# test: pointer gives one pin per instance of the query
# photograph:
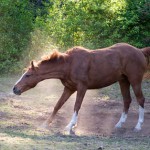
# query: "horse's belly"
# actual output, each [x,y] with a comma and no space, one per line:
[95,83]
[100,85]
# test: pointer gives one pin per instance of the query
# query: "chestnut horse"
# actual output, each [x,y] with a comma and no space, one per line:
[80,69]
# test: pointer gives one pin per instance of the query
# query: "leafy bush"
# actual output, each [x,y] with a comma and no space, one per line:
[28,27]
[94,23]
[15,27]
[132,25]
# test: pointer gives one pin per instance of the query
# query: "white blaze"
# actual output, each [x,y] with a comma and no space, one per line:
[20,78]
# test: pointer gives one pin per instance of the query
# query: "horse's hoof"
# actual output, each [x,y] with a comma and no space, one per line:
[44,126]
[137,129]
[66,132]
[75,126]
[118,126]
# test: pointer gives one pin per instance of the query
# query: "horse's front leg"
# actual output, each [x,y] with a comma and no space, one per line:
[81,90]
[66,94]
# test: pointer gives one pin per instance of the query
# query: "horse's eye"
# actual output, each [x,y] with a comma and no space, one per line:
[27,75]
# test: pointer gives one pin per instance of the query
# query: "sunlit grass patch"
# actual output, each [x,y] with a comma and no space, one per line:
[14,142]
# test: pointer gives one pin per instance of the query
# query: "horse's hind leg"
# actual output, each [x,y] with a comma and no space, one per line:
[125,91]
[140,99]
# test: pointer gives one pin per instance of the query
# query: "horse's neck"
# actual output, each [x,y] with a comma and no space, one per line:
[58,72]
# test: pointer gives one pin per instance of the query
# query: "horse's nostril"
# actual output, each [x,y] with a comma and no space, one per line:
[14,89]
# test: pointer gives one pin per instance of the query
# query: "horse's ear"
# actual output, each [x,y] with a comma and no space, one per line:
[32,65]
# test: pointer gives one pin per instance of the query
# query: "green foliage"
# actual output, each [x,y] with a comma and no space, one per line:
[133,26]
[19,23]
[15,27]
[27,27]
[94,23]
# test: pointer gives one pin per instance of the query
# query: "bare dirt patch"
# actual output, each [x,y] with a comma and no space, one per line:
[100,117]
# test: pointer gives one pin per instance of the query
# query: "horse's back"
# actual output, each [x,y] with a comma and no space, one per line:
[124,54]
[102,67]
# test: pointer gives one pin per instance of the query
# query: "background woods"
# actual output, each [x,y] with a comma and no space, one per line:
[31,27]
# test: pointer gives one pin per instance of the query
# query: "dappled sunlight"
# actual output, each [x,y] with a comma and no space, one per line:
[11,141]
[103,98]
[117,5]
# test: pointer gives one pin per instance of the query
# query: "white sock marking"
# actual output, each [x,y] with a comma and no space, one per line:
[141,118]
[72,122]
[122,120]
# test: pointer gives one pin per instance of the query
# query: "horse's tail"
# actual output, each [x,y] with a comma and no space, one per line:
[146,52]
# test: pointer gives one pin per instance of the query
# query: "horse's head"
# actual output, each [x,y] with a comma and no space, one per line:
[51,66]
[28,80]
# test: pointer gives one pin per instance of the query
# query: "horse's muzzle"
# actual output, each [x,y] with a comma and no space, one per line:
[16,91]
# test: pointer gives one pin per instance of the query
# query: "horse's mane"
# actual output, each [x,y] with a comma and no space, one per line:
[56,55]
[52,56]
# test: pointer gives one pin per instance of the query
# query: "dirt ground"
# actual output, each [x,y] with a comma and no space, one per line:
[98,117]
[100,111]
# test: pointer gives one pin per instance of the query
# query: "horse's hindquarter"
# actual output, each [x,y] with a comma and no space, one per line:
[111,64]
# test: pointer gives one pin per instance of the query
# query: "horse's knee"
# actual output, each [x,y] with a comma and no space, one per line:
[128,101]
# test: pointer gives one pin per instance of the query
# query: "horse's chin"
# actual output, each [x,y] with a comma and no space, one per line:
[26,89]
[18,94]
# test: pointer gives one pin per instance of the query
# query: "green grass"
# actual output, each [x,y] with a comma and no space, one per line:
[18,116]
[46,141]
